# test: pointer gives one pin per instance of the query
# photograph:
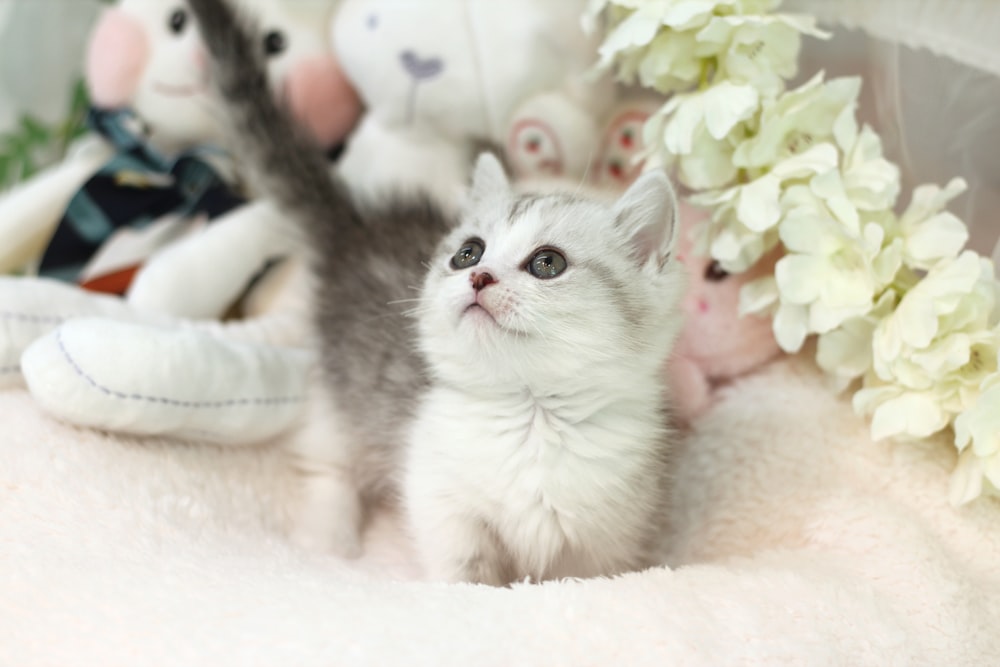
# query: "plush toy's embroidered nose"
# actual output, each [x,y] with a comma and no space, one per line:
[420,68]
[481,280]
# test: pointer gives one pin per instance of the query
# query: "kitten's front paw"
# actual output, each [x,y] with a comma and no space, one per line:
[338,538]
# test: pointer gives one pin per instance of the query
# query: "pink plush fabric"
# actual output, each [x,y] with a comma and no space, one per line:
[323,99]
[716,344]
[116,58]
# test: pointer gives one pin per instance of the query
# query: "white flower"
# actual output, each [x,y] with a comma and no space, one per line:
[798,119]
[779,155]
[956,297]
[669,45]
[899,413]
[655,37]
[870,181]
[835,266]
[745,218]
[932,354]
[979,427]
[977,437]
[761,51]
[846,352]
[695,128]
[930,233]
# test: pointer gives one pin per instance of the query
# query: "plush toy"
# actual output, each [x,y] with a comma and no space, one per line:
[152,168]
[716,344]
[203,274]
[93,360]
[440,79]
[554,134]
[239,381]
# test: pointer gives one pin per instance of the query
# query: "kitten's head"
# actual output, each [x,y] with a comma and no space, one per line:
[537,289]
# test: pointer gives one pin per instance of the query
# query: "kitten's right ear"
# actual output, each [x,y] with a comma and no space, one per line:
[647,214]
[489,181]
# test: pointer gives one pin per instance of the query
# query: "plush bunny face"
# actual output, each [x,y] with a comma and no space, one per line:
[715,337]
[458,66]
[147,54]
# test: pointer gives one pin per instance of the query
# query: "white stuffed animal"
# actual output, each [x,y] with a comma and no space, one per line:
[142,53]
[250,388]
[203,274]
[439,79]
[550,135]
[146,56]
[93,360]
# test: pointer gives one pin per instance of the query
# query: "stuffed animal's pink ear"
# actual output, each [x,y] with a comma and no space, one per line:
[323,99]
[116,58]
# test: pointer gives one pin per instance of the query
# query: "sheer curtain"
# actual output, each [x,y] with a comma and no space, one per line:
[932,89]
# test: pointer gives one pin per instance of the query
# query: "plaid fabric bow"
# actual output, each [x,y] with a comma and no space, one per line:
[136,187]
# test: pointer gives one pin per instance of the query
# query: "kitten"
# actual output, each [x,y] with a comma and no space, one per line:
[518,408]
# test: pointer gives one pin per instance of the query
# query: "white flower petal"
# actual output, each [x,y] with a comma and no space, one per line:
[688,14]
[911,415]
[940,237]
[687,118]
[929,199]
[759,207]
[800,278]
[637,29]
[790,326]
[727,105]
[758,296]
[966,482]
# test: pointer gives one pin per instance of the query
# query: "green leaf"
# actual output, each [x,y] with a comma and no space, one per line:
[34,131]
[5,177]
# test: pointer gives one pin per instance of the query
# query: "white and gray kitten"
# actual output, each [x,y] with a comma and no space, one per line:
[518,408]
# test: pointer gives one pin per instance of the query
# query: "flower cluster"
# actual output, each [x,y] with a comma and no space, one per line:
[898,308]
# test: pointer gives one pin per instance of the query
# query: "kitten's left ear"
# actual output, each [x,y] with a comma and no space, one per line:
[489,180]
[647,215]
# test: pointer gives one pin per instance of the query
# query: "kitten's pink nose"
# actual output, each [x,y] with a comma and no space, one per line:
[481,280]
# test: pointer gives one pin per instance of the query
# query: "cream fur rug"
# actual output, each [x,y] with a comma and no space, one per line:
[797,541]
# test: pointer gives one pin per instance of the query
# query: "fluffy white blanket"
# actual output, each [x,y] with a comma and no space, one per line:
[796,541]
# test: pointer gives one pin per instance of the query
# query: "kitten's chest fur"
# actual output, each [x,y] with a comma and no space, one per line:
[547,475]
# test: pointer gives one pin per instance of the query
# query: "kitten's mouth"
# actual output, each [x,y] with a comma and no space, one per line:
[475,306]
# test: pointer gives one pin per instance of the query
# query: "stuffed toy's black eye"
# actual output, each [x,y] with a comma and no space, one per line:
[468,255]
[715,273]
[547,263]
[178,21]
[275,42]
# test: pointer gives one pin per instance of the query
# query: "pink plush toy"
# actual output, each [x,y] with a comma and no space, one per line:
[716,344]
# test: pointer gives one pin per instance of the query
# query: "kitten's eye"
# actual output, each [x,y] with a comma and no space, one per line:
[177,21]
[468,255]
[715,273]
[274,43]
[547,263]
